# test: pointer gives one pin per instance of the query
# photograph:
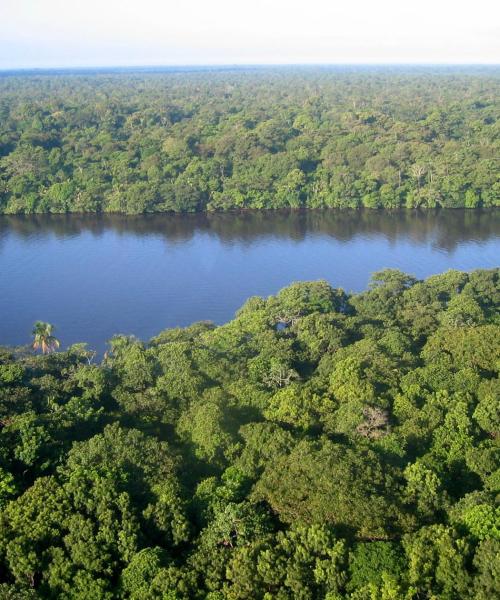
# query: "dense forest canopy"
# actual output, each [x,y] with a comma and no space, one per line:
[319,446]
[252,138]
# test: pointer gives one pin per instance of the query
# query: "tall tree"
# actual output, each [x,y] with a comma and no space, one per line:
[43,338]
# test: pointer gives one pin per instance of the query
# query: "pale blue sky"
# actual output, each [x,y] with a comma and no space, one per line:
[62,33]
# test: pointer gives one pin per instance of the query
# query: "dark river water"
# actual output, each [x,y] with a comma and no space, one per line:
[96,276]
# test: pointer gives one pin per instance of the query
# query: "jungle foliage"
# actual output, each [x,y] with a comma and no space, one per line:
[319,446]
[249,139]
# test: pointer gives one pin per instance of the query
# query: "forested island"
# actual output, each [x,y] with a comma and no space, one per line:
[321,445]
[268,138]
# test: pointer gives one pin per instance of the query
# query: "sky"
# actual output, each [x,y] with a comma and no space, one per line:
[87,33]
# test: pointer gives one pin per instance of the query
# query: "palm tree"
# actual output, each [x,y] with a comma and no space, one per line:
[44,338]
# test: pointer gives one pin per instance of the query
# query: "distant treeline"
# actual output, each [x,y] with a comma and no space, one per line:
[320,446]
[257,138]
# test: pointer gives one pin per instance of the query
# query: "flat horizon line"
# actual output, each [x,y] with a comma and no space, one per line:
[248,65]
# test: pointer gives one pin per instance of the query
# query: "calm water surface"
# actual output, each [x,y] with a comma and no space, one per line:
[96,276]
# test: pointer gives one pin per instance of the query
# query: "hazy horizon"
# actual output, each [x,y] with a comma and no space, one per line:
[54,34]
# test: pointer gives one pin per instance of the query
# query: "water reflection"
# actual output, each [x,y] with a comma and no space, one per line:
[443,229]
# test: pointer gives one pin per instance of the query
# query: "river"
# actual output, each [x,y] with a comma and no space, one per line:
[94,276]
